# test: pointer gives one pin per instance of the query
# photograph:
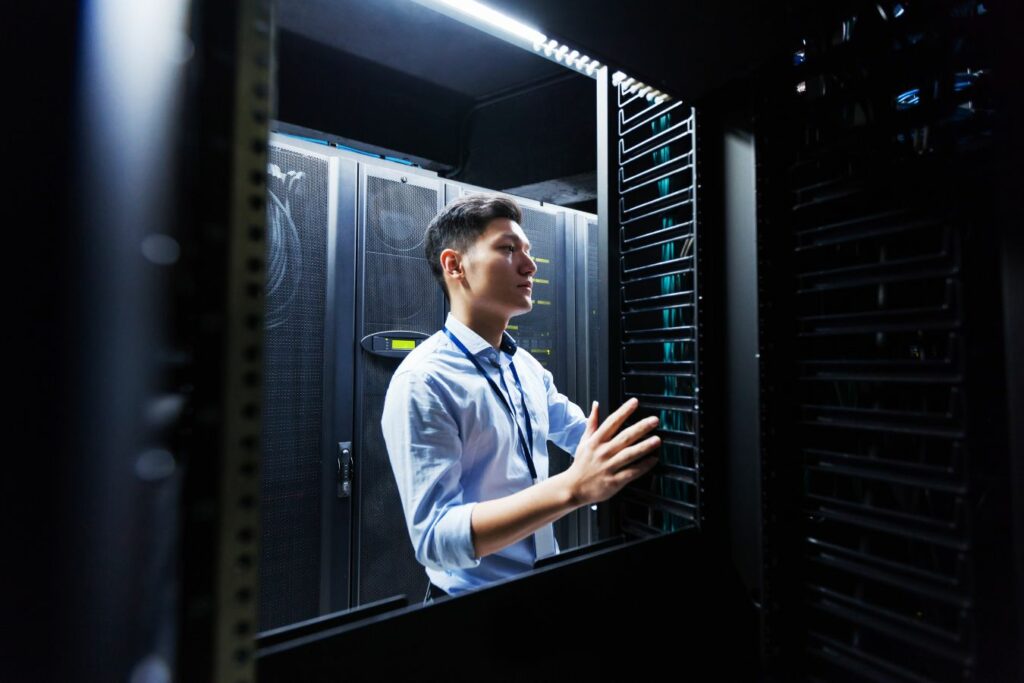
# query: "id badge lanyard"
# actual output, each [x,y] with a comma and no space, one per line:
[527,444]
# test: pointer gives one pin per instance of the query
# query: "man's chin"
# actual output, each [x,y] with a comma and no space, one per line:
[522,311]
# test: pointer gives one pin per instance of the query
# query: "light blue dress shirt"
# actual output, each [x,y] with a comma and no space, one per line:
[452,443]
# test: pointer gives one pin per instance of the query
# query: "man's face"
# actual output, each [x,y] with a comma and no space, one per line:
[499,269]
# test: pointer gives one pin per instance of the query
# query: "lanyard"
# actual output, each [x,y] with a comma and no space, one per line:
[528,450]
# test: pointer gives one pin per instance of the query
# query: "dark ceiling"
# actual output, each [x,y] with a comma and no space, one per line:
[416,41]
[395,74]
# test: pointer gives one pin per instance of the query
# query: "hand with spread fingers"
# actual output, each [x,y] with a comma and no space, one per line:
[605,461]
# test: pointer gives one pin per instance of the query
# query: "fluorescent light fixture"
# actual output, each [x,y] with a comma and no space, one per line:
[487,19]
[491,21]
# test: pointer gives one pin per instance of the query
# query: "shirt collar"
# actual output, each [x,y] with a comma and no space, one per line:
[474,342]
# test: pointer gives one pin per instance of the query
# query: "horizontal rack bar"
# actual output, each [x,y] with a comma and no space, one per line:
[656,340]
[887,463]
[902,634]
[679,443]
[688,191]
[895,529]
[852,564]
[948,364]
[668,363]
[674,473]
[672,228]
[623,163]
[633,126]
[652,405]
[662,210]
[849,228]
[654,180]
[855,660]
[916,267]
[879,321]
[654,330]
[658,297]
[895,516]
[888,427]
[679,170]
[636,528]
[623,181]
[681,259]
[828,199]
[648,309]
[650,143]
[888,414]
[654,501]
[949,323]
[862,558]
[923,635]
[893,378]
[918,482]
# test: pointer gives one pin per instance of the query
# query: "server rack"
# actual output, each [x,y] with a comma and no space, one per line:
[653,232]
[395,206]
[881,243]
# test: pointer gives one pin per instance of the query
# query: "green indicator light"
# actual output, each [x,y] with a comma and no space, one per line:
[403,344]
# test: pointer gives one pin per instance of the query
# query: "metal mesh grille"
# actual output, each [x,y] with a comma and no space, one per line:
[293,388]
[397,215]
[399,293]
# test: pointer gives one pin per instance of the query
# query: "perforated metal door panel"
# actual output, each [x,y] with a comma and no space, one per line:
[299,208]
[398,292]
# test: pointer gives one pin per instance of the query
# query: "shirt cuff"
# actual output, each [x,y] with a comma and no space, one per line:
[456,537]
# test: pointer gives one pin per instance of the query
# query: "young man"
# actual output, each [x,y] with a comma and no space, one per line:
[467,416]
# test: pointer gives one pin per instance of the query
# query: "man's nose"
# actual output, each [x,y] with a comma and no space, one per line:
[530,266]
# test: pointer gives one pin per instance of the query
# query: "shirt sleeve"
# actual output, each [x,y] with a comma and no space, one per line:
[566,420]
[425,450]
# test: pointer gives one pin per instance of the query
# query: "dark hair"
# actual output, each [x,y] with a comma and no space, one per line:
[461,223]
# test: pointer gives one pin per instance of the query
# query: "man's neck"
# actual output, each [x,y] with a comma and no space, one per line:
[488,326]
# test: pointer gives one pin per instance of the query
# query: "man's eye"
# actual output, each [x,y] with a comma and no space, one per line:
[509,247]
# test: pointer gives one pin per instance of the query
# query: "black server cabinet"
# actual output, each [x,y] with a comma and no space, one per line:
[888,457]
[307,337]
[397,292]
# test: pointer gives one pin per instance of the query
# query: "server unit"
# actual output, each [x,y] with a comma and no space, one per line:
[347,280]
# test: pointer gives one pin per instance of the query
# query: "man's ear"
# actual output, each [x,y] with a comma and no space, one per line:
[451,262]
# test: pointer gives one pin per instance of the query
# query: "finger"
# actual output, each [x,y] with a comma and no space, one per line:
[592,421]
[615,420]
[626,457]
[633,432]
[636,470]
